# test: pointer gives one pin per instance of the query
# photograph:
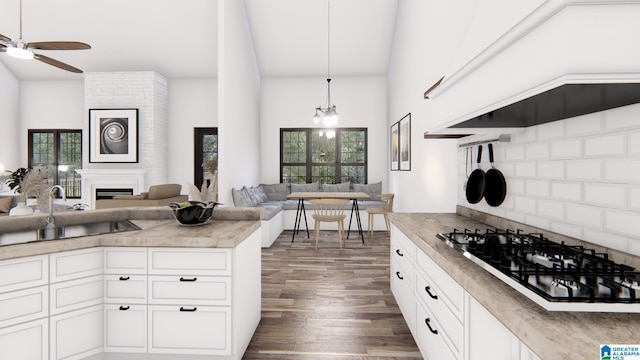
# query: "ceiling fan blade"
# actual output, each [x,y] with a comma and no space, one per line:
[56,63]
[59,45]
[4,38]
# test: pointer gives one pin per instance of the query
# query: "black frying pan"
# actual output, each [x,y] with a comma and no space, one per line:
[475,184]
[495,187]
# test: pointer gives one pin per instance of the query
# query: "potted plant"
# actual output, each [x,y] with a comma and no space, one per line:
[28,183]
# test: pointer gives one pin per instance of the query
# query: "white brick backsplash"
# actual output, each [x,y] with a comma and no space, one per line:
[526,136]
[515,186]
[634,197]
[525,205]
[552,130]
[621,118]
[610,195]
[607,240]
[551,169]
[535,151]
[507,169]
[623,222]
[537,188]
[514,216]
[536,221]
[566,191]
[551,209]
[566,149]
[563,228]
[634,246]
[514,153]
[525,169]
[606,145]
[622,170]
[585,215]
[584,125]
[634,143]
[584,170]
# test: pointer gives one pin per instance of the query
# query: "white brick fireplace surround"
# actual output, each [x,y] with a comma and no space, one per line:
[93,179]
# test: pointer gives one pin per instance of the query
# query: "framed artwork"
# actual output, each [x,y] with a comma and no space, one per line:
[395,143]
[113,135]
[405,143]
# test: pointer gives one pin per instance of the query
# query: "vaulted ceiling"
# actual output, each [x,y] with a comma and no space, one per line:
[179,39]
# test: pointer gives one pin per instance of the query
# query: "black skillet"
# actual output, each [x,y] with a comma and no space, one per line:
[495,188]
[476,181]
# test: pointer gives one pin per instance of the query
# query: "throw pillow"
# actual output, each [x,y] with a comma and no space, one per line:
[5,204]
[253,196]
[373,190]
[342,187]
[275,192]
[241,197]
[312,187]
[260,194]
[164,191]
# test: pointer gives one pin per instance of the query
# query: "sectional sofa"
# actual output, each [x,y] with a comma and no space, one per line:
[279,214]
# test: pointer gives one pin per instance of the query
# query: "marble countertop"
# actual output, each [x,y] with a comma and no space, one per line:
[227,228]
[551,335]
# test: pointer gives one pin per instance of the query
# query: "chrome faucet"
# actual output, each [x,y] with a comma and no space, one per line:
[49,219]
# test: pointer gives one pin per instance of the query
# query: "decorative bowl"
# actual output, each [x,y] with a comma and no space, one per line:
[192,213]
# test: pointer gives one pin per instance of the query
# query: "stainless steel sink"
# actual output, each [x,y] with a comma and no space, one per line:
[66,232]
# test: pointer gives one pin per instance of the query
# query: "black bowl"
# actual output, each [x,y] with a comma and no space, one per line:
[197,213]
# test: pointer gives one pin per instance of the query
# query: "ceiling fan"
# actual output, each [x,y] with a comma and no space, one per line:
[24,50]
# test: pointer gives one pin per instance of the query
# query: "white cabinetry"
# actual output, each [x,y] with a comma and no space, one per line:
[402,275]
[76,298]
[24,308]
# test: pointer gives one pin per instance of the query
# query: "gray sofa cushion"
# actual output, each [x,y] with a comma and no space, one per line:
[342,187]
[270,209]
[241,197]
[313,187]
[292,204]
[275,192]
[256,195]
[373,190]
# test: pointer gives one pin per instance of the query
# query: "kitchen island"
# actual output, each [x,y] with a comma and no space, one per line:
[548,335]
[165,290]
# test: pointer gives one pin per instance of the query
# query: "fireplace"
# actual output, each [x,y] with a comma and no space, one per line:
[114,181]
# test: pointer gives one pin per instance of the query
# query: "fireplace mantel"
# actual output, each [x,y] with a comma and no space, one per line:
[93,179]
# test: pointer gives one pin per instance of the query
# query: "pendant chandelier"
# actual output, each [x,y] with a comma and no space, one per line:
[328,114]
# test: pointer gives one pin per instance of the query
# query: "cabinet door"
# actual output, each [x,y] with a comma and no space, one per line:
[402,290]
[179,262]
[76,294]
[24,305]
[23,273]
[204,330]
[487,337]
[75,264]
[77,334]
[28,341]
[429,336]
[119,260]
[125,328]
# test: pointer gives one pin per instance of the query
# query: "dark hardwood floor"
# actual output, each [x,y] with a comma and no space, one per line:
[329,304]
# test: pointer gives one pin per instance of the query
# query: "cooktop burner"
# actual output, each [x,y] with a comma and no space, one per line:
[557,276]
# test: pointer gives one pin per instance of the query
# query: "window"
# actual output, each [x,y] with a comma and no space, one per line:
[60,153]
[206,148]
[327,157]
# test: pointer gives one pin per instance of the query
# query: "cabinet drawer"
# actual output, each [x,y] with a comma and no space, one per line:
[24,305]
[76,294]
[23,273]
[29,341]
[76,264]
[130,289]
[125,261]
[190,261]
[450,292]
[125,328]
[403,293]
[450,327]
[401,242]
[77,334]
[203,330]
[429,336]
[190,290]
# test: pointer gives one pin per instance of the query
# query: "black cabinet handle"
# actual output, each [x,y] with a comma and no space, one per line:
[426,321]
[124,307]
[398,275]
[124,278]
[188,279]
[399,253]
[427,289]
[188,309]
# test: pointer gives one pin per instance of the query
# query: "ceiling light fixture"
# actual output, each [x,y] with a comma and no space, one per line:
[19,53]
[328,113]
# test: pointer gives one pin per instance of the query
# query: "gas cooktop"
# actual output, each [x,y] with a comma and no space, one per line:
[556,276]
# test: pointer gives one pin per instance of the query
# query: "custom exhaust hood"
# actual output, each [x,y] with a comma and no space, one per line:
[565,59]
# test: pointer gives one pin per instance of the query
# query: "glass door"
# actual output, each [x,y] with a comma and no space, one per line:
[206,156]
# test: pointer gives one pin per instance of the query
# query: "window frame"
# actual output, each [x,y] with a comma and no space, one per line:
[198,155]
[337,163]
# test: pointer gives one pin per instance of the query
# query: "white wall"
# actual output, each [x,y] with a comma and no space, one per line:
[290,103]
[579,177]
[9,121]
[192,103]
[238,102]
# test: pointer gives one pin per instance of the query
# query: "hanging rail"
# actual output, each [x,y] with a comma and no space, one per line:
[500,138]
